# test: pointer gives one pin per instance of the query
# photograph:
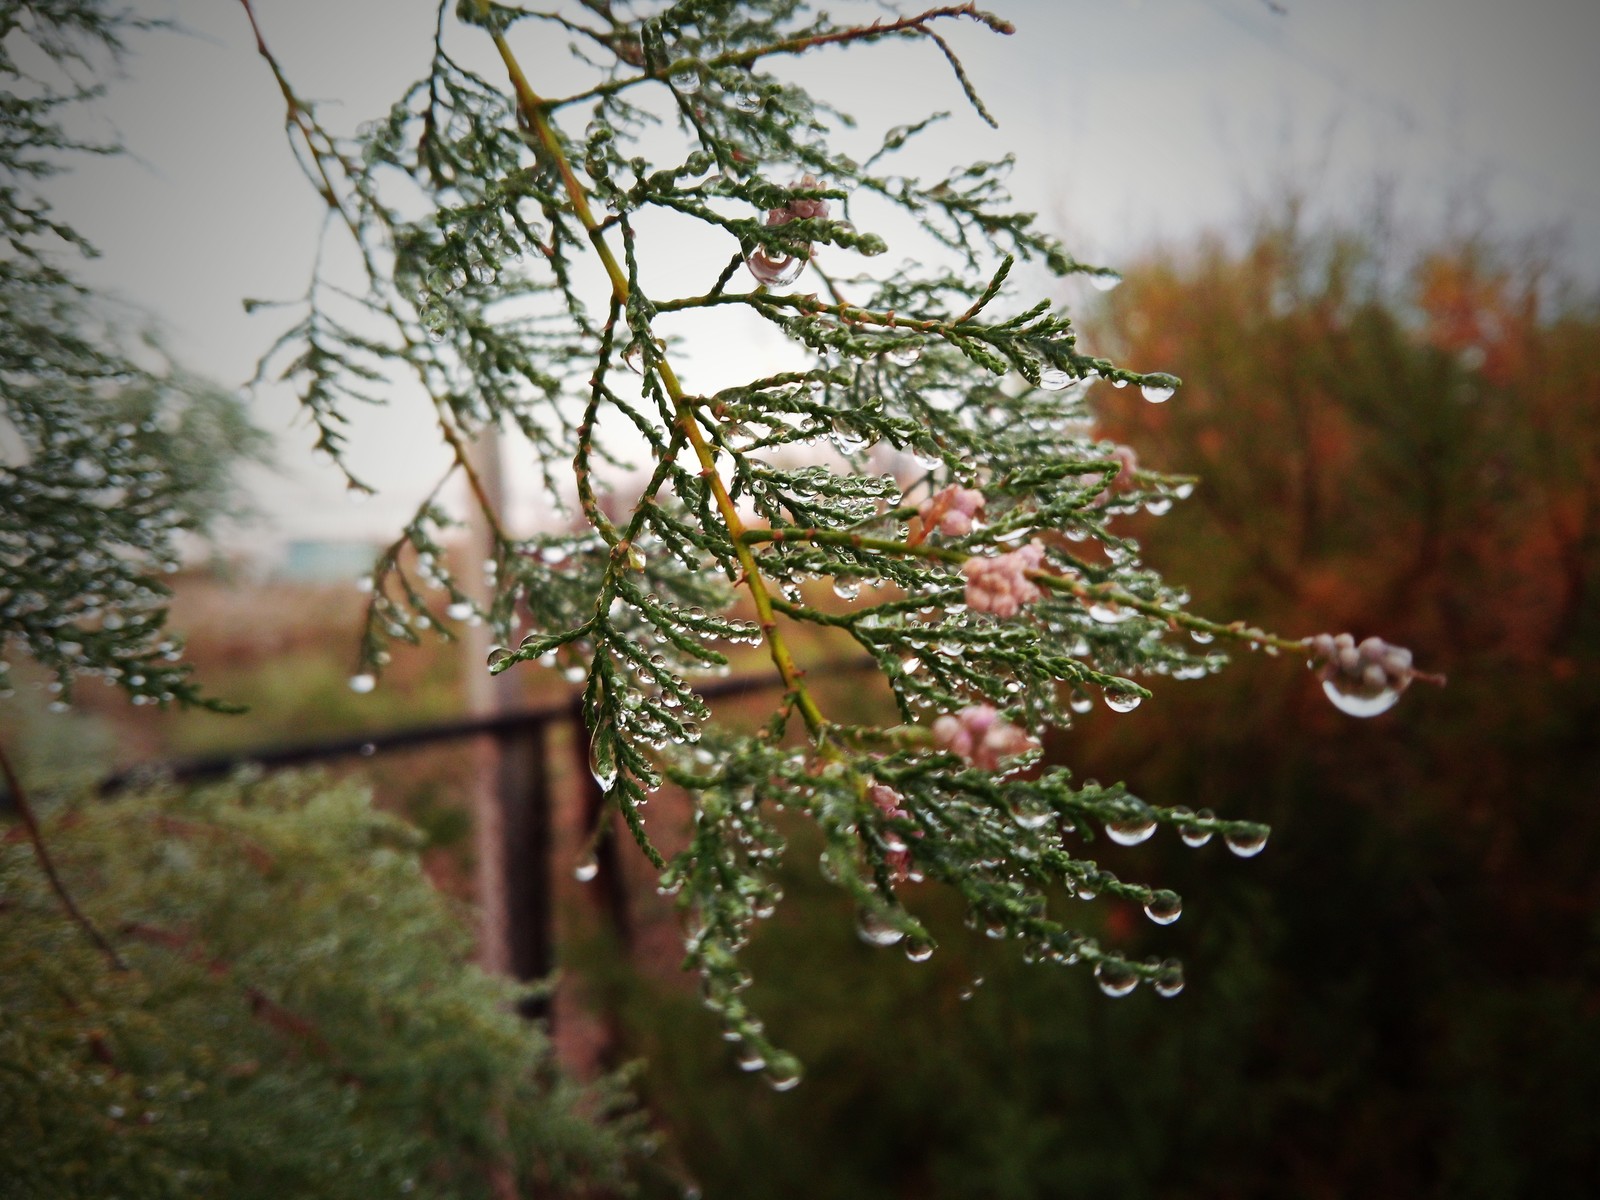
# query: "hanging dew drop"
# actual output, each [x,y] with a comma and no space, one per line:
[918,949]
[1123,702]
[1358,700]
[1108,614]
[1169,979]
[751,1059]
[362,684]
[875,930]
[1115,978]
[686,81]
[1054,379]
[1246,845]
[1163,907]
[1104,281]
[904,356]
[586,870]
[1158,389]
[459,611]
[1131,831]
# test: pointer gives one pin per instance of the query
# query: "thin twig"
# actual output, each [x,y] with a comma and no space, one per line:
[30,823]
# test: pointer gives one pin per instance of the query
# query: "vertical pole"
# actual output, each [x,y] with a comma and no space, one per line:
[485,696]
[524,783]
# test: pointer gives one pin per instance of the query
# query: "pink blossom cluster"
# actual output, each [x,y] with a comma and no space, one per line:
[1370,668]
[978,735]
[951,511]
[800,208]
[1000,585]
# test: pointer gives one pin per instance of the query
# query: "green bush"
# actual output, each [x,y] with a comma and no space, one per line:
[295,1020]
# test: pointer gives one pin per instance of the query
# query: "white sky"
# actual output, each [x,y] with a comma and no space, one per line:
[1131,120]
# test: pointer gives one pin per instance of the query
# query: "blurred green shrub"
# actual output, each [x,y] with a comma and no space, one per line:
[298,1019]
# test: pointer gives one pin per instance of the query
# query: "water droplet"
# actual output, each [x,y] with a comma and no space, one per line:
[368,749]
[775,272]
[1198,837]
[1123,701]
[971,990]
[1116,978]
[910,665]
[1158,389]
[876,930]
[586,870]
[1108,614]
[363,683]
[1163,907]
[904,356]
[459,611]
[1168,981]
[783,1073]
[499,658]
[751,1059]
[1202,637]
[1131,830]
[918,949]
[1054,379]
[1158,506]
[1080,703]
[1246,845]
[1104,281]
[686,80]
[1357,699]
[575,674]
[749,101]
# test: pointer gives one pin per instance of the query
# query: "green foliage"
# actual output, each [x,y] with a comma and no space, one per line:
[512,268]
[106,460]
[1395,1001]
[298,1017]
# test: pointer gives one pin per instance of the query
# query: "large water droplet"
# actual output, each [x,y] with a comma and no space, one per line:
[904,356]
[500,657]
[1123,701]
[363,683]
[1358,700]
[1158,389]
[1169,979]
[1131,830]
[775,272]
[918,949]
[1104,281]
[587,869]
[751,1059]
[876,930]
[1198,837]
[459,611]
[1115,978]
[1246,845]
[1054,379]
[686,80]
[1163,907]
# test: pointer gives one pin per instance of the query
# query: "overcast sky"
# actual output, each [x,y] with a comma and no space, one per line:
[1131,120]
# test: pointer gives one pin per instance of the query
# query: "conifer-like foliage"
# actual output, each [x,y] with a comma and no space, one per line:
[506,234]
[293,1017]
[108,452]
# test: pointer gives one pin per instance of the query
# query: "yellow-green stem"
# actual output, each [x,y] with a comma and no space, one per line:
[534,111]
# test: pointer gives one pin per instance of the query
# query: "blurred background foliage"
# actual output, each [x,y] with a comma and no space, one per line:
[1400,997]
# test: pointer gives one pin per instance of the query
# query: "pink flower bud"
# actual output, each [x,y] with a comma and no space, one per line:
[1000,585]
[952,510]
[978,735]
